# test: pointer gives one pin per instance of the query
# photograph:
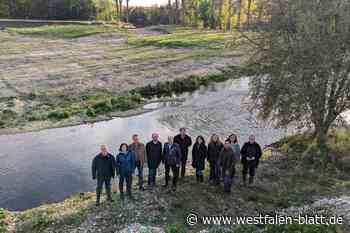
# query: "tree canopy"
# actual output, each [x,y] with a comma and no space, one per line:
[304,64]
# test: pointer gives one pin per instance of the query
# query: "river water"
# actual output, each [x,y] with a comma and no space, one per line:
[49,165]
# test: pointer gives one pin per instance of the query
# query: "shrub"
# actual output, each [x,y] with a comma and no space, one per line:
[90,112]
[126,102]
[8,114]
[2,124]
[102,106]
[10,103]
[58,115]
[41,221]
[172,228]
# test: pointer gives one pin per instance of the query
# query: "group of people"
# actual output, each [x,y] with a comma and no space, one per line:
[222,158]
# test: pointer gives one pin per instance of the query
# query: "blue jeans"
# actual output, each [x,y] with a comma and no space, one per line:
[107,183]
[199,172]
[140,174]
[152,173]
[128,179]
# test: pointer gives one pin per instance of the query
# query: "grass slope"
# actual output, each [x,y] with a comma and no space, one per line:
[63,31]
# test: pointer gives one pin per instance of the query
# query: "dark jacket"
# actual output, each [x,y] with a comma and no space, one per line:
[154,154]
[103,167]
[251,152]
[214,150]
[199,153]
[171,154]
[227,161]
[125,163]
[184,144]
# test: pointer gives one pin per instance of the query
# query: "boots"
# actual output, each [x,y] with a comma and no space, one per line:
[122,196]
[109,195]
[201,178]
[197,178]
[130,196]
[98,197]
[244,180]
[251,180]
[166,182]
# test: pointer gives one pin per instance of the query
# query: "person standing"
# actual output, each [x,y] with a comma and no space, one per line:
[251,153]
[236,150]
[140,154]
[184,141]
[125,167]
[154,158]
[172,160]
[199,153]
[235,146]
[214,148]
[227,163]
[103,169]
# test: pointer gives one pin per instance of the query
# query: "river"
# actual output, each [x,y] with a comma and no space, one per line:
[49,165]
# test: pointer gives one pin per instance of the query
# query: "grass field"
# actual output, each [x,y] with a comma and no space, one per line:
[58,75]
[63,31]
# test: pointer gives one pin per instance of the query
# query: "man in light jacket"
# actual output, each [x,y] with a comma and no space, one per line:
[140,156]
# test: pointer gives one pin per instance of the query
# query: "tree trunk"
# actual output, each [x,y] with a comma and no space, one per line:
[127,11]
[117,7]
[183,12]
[169,12]
[239,14]
[260,13]
[220,14]
[176,11]
[321,136]
[121,10]
[228,23]
[248,14]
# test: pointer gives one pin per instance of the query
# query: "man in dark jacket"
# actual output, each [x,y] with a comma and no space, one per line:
[103,169]
[154,157]
[251,153]
[172,160]
[184,141]
[227,162]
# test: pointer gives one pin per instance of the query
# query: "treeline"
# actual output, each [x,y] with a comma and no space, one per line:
[214,14]
[58,9]
[218,14]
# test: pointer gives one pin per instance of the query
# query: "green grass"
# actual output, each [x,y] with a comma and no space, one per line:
[3,223]
[63,31]
[338,144]
[186,38]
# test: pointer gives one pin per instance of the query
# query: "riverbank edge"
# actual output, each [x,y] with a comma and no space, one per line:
[162,90]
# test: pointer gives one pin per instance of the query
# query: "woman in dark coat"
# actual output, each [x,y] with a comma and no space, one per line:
[214,148]
[199,153]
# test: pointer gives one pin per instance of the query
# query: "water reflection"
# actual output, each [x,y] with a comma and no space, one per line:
[50,165]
